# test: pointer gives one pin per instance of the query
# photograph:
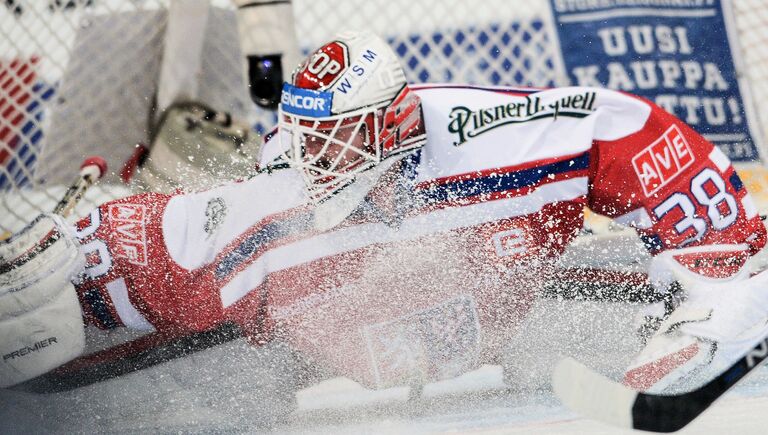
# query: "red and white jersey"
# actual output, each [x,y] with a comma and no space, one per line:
[467,230]
[522,151]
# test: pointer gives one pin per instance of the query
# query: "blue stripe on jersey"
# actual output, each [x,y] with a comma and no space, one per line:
[652,242]
[99,308]
[254,243]
[736,182]
[503,182]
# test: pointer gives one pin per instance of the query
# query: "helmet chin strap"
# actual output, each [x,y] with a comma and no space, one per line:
[338,207]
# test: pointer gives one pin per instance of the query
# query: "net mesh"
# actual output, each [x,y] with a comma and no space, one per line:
[79,77]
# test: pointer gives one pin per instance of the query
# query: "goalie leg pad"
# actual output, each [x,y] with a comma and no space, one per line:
[40,319]
[41,340]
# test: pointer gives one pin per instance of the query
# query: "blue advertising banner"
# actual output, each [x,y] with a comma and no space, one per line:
[673,52]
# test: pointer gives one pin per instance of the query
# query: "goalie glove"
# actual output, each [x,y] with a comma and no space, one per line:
[723,314]
[268,42]
[40,317]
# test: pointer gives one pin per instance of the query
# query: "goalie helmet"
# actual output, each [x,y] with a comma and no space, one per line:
[347,108]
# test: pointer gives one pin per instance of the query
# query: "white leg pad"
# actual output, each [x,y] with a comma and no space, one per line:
[40,340]
[41,325]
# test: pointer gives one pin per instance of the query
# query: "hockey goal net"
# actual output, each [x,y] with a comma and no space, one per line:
[79,77]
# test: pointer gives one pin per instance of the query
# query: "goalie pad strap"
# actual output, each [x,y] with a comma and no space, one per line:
[46,242]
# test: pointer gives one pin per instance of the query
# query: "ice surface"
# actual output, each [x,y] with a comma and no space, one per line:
[474,403]
[216,391]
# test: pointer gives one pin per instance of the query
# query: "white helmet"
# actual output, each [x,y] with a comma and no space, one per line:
[347,108]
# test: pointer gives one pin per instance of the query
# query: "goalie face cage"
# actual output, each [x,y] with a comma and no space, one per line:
[79,77]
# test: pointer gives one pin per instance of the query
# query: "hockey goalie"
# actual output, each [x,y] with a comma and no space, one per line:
[398,232]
